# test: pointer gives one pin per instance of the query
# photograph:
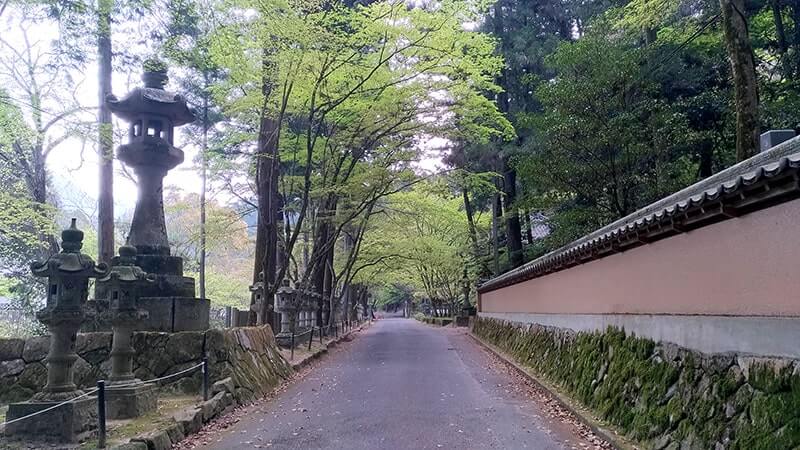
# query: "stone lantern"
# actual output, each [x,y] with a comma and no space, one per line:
[153,114]
[68,274]
[126,397]
[285,305]
[258,289]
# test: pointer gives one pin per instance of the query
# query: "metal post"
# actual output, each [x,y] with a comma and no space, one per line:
[311,338]
[320,335]
[205,378]
[101,414]
[292,344]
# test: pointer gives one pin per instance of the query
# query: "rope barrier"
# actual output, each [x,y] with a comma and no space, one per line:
[85,394]
[156,380]
[92,391]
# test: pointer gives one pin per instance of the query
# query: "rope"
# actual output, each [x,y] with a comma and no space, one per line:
[92,391]
[2,425]
[156,380]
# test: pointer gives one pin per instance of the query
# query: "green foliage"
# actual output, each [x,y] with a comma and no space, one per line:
[421,239]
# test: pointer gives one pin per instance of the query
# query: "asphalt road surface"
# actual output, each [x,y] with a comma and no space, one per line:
[405,385]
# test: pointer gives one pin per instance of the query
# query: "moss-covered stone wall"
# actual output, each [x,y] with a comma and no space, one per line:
[659,394]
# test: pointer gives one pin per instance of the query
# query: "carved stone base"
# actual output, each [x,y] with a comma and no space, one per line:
[68,423]
[132,401]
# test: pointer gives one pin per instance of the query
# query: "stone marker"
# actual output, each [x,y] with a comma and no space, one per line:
[126,396]
[153,114]
[68,274]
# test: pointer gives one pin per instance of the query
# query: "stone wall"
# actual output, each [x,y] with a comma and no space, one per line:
[247,355]
[662,395]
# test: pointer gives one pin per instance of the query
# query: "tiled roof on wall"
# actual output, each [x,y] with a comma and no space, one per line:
[766,179]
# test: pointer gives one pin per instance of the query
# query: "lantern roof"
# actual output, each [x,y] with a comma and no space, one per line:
[152,99]
[70,261]
[125,268]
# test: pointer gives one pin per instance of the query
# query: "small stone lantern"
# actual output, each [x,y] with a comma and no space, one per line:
[257,289]
[285,305]
[68,274]
[127,397]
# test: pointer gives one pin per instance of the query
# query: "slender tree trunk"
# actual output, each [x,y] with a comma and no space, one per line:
[740,52]
[473,233]
[497,213]
[780,30]
[105,141]
[706,158]
[794,8]
[513,229]
[529,227]
[203,169]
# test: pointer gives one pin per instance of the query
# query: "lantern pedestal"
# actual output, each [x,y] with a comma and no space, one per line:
[130,401]
[69,423]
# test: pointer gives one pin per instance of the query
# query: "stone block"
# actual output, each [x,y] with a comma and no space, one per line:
[155,440]
[175,433]
[209,410]
[771,138]
[89,342]
[132,401]
[225,385]
[11,349]
[190,314]
[34,376]
[186,346]
[93,347]
[130,446]
[10,393]
[68,423]
[36,349]
[191,419]
[11,368]
[159,311]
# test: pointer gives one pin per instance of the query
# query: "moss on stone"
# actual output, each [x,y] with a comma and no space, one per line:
[661,393]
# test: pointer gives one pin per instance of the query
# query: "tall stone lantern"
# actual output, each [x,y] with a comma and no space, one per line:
[153,114]
[68,274]
[126,396]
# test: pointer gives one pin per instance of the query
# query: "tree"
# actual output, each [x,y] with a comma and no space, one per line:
[346,87]
[743,67]
[105,139]
[421,240]
[186,42]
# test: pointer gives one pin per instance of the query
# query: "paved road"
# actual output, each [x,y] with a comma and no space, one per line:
[403,385]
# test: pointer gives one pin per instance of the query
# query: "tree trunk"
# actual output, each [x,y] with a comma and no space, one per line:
[267,166]
[528,227]
[105,141]
[497,213]
[473,233]
[780,30]
[743,67]
[795,10]
[203,169]
[513,229]
[267,230]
